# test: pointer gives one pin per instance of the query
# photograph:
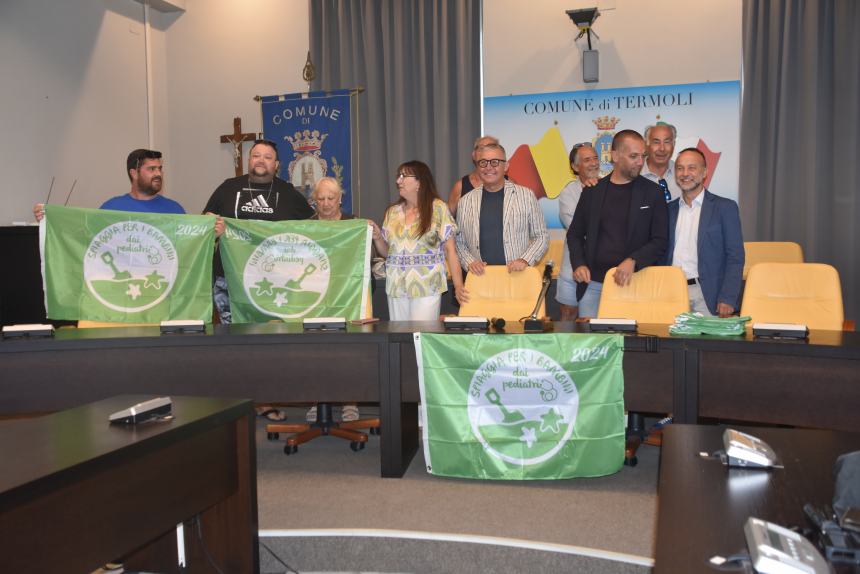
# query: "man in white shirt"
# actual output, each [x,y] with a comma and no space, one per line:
[705,239]
[659,167]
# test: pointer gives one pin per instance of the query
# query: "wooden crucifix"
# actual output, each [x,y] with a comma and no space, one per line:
[236,139]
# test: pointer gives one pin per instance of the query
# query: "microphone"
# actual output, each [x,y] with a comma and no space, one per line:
[498,323]
[547,271]
[532,323]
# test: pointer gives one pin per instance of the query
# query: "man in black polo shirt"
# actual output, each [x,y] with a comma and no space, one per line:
[620,222]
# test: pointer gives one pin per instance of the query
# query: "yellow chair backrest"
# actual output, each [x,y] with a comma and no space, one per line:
[555,253]
[497,293]
[808,293]
[85,324]
[654,295]
[770,252]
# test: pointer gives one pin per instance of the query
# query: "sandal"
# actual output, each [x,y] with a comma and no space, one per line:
[350,413]
[311,415]
[272,414]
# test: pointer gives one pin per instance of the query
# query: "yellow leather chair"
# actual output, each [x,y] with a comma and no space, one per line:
[770,252]
[807,293]
[654,295]
[554,253]
[497,293]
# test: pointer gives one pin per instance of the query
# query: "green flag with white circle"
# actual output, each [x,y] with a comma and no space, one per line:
[126,267]
[522,407]
[291,270]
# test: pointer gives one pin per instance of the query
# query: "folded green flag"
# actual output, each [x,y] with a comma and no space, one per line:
[295,269]
[126,267]
[536,406]
[698,324]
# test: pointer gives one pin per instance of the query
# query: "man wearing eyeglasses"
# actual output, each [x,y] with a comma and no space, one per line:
[586,166]
[499,222]
[621,222]
[146,173]
[659,167]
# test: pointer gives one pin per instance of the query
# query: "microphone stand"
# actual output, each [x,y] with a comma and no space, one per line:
[533,324]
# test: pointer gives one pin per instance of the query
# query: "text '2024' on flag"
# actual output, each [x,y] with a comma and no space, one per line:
[291,270]
[125,267]
[537,406]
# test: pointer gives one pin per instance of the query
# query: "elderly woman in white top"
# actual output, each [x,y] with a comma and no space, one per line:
[326,198]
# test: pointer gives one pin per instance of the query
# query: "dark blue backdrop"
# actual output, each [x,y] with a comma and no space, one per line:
[314,138]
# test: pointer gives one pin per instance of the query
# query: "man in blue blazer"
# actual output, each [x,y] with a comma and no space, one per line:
[620,222]
[705,239]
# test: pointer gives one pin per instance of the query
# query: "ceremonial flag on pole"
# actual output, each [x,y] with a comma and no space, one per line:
[514,407]
[296,269]
[126,267]
[316,126]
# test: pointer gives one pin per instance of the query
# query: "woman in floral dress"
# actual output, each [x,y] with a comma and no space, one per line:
[417,235]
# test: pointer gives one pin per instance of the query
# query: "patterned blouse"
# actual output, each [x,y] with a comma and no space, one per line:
[415,266]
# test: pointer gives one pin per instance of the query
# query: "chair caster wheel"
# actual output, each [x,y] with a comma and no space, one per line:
[356,446]
[632,461]
[272,436]
[375,430]
[290,449]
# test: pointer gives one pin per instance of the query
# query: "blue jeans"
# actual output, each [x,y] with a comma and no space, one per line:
[590,300]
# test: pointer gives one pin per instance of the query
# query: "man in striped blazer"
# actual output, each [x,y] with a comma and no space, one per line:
[496,228]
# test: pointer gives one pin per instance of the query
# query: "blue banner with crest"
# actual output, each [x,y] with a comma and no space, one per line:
[314,138]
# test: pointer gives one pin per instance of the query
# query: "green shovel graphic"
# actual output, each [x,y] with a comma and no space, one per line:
[107,257]
[510,416]
[296,284]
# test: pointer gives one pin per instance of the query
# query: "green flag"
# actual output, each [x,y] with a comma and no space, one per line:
[127,267]
[296,269]
[519,407]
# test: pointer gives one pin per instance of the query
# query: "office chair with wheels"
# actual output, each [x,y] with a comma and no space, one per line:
[325,425]
[770,252]
[807,293]
[654,295]
[498,293]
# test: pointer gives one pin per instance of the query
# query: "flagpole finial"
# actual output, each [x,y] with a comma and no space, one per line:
[308,72]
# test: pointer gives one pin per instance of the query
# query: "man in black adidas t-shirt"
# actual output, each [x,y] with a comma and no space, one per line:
[258,195]
[620,222]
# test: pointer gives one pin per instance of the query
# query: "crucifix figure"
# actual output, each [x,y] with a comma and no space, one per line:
[236,139]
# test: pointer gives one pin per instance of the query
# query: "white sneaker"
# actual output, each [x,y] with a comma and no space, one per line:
[311,415]
[350,413]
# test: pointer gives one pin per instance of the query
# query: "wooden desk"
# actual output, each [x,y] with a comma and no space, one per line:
[702,505]
[76,492]
[812,383]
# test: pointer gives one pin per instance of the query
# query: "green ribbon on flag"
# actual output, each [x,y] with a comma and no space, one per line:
[513,407]
[295,269]
[126,267]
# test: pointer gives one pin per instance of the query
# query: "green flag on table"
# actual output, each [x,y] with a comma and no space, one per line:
[121,266]
[538,406]
[295,269]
